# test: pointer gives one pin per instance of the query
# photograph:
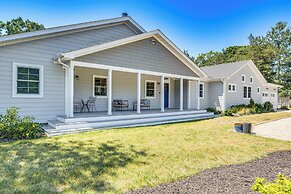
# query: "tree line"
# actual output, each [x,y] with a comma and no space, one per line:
[271,53]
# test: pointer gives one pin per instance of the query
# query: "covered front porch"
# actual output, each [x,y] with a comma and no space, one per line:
[165,92]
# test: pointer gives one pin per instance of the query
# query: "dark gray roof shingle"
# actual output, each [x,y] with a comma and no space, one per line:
[223,70]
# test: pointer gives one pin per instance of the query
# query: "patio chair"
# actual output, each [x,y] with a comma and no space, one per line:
[77,105]
[120,104]
[91,104]
[144,103]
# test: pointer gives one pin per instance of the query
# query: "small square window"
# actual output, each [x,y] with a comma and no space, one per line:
[251,79]
[243,78]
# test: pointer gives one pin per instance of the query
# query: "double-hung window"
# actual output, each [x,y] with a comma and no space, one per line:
[150,89]
[27,80]
[201,90]
[247,92]
[100,86]
[231,87]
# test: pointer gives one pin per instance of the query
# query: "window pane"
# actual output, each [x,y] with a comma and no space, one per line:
[229,87]
[100,87]
[22,70]
[249,92]
[33,90]
[233,87]
[33,84]
[22,76]
[33,71]
[245,92]
[34,77]
[22,84]
[22,90]
[150,85]
[150,93]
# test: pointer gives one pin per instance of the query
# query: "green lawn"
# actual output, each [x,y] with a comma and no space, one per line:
[121,159]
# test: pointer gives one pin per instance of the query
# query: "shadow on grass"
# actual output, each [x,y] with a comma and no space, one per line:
[28,167]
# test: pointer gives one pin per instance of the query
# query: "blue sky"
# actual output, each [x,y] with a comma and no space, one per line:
[197,26]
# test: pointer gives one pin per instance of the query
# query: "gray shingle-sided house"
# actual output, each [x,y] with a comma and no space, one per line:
[55,73]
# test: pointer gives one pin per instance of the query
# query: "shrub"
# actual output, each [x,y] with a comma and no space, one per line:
[284,108]
[280,186]
[268,107]
[214,110]
[12,126]
[252,103]
[259,108]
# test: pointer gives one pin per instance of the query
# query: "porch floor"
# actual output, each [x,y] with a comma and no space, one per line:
[124,112]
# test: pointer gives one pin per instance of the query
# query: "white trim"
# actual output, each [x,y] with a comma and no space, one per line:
[145,89]
[231,89]
[203,90]
[109,92]
[243,76]
[138,86]
[198,98]
[14,80]
[181,94]
[130,70]
[252,78]
[223,107]
[189,95]
[162,94]
[155,34]
[39,34]
[104,77]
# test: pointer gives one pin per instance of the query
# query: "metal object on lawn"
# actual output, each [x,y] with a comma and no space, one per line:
[247,128]
[238,127]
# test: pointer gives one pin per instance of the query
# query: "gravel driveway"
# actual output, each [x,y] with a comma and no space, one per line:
[229,179]
[280,129]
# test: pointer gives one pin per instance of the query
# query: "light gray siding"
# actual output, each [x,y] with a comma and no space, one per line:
[204,101]
[215,92]
[233,98]
[123,87]
[41,52]
[141,55]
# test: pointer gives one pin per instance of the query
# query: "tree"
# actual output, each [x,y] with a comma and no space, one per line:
[18,25]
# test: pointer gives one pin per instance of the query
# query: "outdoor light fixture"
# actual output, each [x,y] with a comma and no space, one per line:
[153,41]
[77,77]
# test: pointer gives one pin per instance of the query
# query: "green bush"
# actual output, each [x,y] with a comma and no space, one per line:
[251,108]
[282,185]
[268,107]
[12,126]
[214,110]
[284,108]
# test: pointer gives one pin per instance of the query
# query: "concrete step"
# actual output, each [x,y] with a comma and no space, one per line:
[55,132]
[126,116]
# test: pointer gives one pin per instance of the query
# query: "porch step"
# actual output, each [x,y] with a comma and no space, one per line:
[129,116]
[57,127]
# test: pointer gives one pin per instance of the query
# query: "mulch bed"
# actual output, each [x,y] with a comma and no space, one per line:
[229,179]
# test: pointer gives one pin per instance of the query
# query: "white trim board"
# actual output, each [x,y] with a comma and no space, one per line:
[130,70]
[14,80]
[155,34]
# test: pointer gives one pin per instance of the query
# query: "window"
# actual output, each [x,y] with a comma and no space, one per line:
[247,92]
[259,89]
[243,78]
[100,86]
[201,90]
[231,87]
[150,89]
[251,79]
[27,80]
[272,95]
[265,94]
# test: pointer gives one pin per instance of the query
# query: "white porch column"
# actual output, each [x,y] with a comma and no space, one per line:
[69,90]
[189,95]
[181,93]
[109,110]
[224,96]
[162,93]
[198,94]
[138,92]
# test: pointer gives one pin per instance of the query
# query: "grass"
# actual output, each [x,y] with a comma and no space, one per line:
[117,160]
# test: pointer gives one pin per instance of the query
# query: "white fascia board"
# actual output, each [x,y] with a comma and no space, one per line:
[92,49]
[130,70]
[48,31]
[173,49]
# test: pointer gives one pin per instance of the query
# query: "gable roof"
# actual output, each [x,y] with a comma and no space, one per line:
[39,34]
[224,70]
[157,34]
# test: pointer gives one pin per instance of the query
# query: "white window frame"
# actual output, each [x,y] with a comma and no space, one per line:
[247,92]
[203,90]
[14,80]
[244,78]
[145,89]
[231,89]
[258,90]
[103,77]
[252,78]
